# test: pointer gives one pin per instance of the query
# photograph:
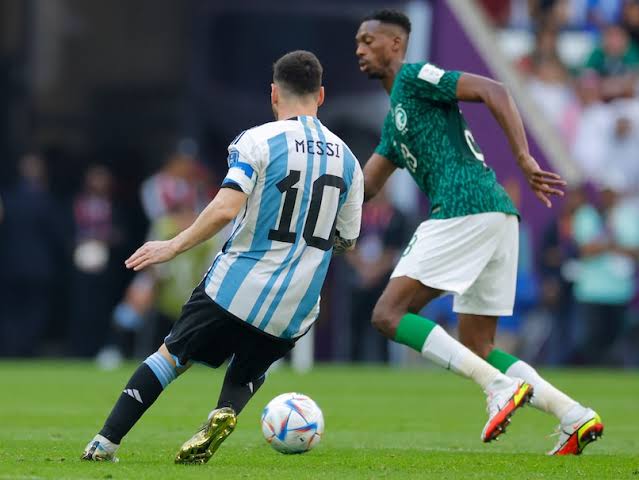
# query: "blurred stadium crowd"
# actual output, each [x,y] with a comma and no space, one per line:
[64,291]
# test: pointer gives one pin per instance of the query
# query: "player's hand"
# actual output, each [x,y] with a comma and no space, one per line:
[151,253]
[544,184]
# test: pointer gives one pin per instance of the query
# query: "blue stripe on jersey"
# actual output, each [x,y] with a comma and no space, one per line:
[301,218]
[312,294]
[309,300]
[245,167]
[269,207]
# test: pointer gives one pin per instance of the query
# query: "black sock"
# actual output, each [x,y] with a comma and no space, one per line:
[143,388]
[236,394]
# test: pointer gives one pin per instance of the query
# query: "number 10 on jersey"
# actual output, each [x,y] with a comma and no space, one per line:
[288,186]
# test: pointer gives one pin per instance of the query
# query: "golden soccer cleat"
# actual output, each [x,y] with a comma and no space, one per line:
[200,447]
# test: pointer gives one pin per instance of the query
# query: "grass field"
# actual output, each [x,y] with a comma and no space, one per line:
[380,423]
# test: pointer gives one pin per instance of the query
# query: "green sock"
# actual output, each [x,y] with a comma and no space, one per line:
[413,331]
[501,360]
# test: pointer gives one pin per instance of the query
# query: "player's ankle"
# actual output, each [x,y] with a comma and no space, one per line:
[573,414]
[500,382]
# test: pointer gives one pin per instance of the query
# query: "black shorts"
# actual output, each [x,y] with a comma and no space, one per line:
[206,333]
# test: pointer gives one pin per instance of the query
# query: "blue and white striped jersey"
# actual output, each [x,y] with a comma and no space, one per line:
[303,183]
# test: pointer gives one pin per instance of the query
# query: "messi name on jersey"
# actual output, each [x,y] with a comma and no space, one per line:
[318,147]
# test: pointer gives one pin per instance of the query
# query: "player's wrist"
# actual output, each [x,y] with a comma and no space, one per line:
[522,157]
[176,245]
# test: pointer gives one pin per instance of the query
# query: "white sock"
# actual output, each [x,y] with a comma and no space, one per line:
[447,352]
[546,397]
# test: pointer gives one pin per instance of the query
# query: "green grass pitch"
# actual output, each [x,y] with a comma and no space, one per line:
[380,423]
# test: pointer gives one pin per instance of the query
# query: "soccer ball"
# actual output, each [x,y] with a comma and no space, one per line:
[292,423]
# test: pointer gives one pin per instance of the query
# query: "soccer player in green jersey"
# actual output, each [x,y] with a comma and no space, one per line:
[469,245]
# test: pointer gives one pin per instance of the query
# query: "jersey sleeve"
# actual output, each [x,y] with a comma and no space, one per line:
[386,148]
[431,83]
[245,163]
[349,218]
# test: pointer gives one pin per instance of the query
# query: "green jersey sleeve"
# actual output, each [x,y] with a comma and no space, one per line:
[431,83]
[386,147]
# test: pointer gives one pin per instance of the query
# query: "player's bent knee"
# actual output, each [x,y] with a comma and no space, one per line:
[179,368]
[384,320]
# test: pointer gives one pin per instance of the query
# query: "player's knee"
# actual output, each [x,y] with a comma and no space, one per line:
[384,320]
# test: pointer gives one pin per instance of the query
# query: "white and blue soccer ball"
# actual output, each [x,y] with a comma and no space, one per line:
[292,423]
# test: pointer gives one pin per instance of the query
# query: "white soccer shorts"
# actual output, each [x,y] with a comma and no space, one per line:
[473,257]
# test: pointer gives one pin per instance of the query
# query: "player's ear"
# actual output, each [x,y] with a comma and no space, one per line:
[398,44]
[275,94]
[320,97]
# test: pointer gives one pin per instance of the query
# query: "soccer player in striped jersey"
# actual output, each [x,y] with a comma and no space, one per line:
[469,245]
[295,193]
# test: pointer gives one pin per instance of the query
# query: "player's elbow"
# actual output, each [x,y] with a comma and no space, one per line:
[496,93]
[227,214]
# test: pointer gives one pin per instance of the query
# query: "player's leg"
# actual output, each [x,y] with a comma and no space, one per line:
[393,318]
[141,391]
[492,295]
[254,353]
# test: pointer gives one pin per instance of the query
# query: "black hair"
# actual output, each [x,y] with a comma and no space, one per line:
[299,72]
[394,17]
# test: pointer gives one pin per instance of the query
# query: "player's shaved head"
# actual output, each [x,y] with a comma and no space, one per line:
[298,73]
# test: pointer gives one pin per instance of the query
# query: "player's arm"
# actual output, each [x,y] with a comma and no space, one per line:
[475,88]
[376,173]
[217,214]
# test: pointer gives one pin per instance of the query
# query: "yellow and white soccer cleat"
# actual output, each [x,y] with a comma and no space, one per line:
[502,403]
[201,446]
[575,436]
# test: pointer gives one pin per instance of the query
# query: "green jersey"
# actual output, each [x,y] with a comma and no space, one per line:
[426,133]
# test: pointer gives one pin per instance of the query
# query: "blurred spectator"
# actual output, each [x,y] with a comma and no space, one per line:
[616,60]
[593,126]
[605,284]
[585,112]
[173,184]
[97,232]
[154,299]
[556,308]
[550,88]
[527,290]
[33,253]
[607,140]
[544,50]
[383,235]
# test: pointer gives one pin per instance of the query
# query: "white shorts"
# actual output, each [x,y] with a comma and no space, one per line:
[473,257]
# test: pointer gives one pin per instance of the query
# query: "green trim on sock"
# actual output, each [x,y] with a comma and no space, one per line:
[413,331]
[501,360]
